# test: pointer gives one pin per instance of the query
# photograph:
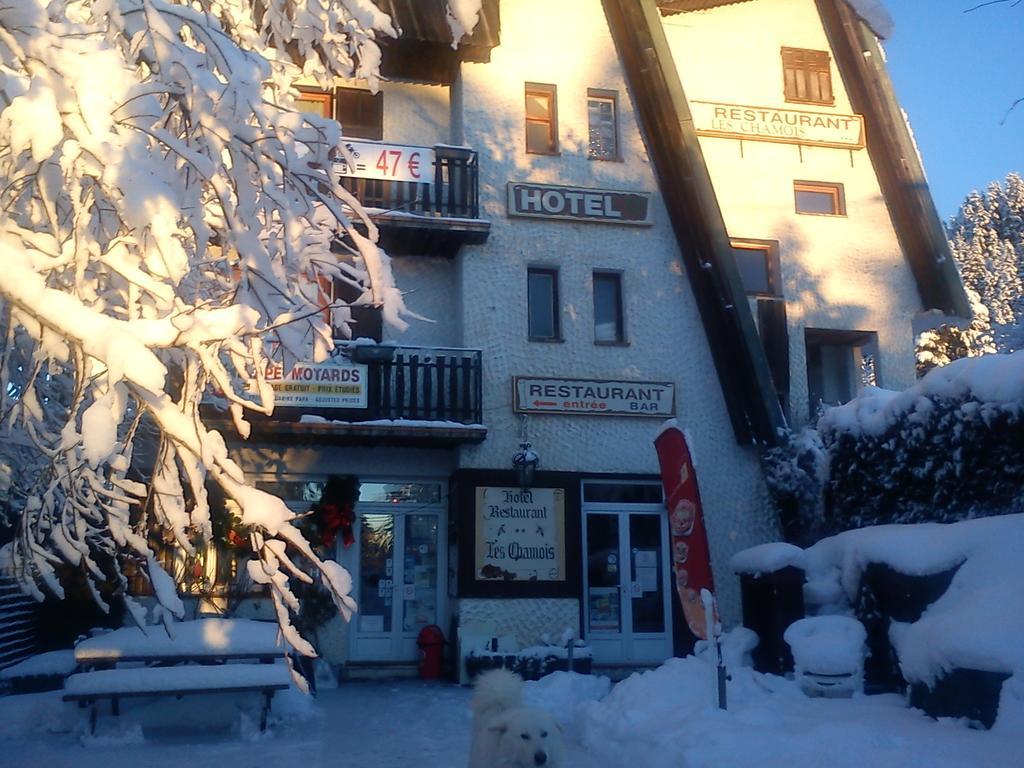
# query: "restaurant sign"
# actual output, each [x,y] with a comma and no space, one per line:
[607,206]
[336,383]
[390,162]
[785,126]
[520,534]
[594,397]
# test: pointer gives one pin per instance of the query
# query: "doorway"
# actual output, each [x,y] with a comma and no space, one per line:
[399,558]
[627,608]
[396,562]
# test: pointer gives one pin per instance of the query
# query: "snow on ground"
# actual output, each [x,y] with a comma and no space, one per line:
[660,719]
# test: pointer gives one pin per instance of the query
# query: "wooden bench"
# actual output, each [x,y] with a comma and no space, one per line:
[116,684]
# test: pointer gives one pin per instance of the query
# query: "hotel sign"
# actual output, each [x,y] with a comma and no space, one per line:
[594,397]
[336,383]
[390,162]
[784,126]
[520,534]
[607,206]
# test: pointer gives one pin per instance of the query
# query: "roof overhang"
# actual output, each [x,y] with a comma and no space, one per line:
[671,7]
[423,51]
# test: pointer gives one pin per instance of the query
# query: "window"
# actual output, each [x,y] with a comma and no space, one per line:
[541,119]
[839,364]
[602,116]
[758,264]
[542,299]
[316,103]
[819,198]
[807,76]
[608,325]
[360,113]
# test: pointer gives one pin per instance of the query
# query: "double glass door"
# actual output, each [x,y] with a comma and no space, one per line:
[627,611]
[399,589]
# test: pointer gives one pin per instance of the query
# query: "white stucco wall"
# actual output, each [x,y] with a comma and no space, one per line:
[416,114]
[844,273]
[664,331]
[428,285]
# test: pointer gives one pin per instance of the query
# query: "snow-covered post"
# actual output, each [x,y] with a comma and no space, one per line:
[714,630]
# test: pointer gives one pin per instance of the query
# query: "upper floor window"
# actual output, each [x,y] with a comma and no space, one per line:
[609,327]
[757,261]
[316,103]
[541,119]
[807,76]
[542,301]
[360,113]
[603,120]
[819,197]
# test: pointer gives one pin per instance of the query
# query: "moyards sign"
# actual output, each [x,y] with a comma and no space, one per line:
[332,384]
[785,126]
[594,397]
[606,206]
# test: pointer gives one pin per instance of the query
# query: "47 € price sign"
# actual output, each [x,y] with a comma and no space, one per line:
[390,162]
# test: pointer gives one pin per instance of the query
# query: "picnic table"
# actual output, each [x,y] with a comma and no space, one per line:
[202,656]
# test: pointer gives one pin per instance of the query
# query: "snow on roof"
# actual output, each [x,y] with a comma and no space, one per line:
[214,637]
[875,15]
[996,380]
[977,624]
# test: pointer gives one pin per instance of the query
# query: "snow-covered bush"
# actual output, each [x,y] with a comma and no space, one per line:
[948,448]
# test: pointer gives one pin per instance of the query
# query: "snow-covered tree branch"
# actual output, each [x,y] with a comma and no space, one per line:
[168,220]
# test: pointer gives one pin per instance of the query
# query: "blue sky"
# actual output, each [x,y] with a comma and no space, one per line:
[956,74]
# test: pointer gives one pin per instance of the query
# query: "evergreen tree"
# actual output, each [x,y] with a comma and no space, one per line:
[986,238]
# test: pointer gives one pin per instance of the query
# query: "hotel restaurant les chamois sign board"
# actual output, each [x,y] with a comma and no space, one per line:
[594,397]
[603,206]
[520,534]
[784,126]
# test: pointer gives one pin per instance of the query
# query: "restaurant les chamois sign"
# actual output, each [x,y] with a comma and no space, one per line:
[594,397]
[784,126]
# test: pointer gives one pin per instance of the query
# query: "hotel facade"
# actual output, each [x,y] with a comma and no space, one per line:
[611,214]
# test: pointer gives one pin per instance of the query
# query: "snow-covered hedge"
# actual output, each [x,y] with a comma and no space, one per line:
[977,623]
[949,447]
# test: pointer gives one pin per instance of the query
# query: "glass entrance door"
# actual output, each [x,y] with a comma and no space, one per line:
[398,585]
[627,608]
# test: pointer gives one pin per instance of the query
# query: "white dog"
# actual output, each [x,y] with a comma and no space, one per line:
[505,733]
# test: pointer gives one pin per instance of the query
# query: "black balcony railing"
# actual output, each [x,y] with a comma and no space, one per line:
[423,384]
[407,384]
[454,192]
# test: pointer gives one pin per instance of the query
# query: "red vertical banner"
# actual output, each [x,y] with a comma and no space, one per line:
[691,556]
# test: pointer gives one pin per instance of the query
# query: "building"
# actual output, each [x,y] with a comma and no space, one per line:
[612,213]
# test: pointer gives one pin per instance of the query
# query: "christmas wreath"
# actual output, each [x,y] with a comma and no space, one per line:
[334,513]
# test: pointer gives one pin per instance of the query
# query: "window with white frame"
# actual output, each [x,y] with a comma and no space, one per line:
[603,124]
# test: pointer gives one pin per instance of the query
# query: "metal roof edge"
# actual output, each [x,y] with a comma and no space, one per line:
[895,158]
[667,127]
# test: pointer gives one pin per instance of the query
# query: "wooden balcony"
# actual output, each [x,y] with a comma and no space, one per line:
[430,217]
[430,397]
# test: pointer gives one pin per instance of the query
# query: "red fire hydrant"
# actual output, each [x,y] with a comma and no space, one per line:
[431,643]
